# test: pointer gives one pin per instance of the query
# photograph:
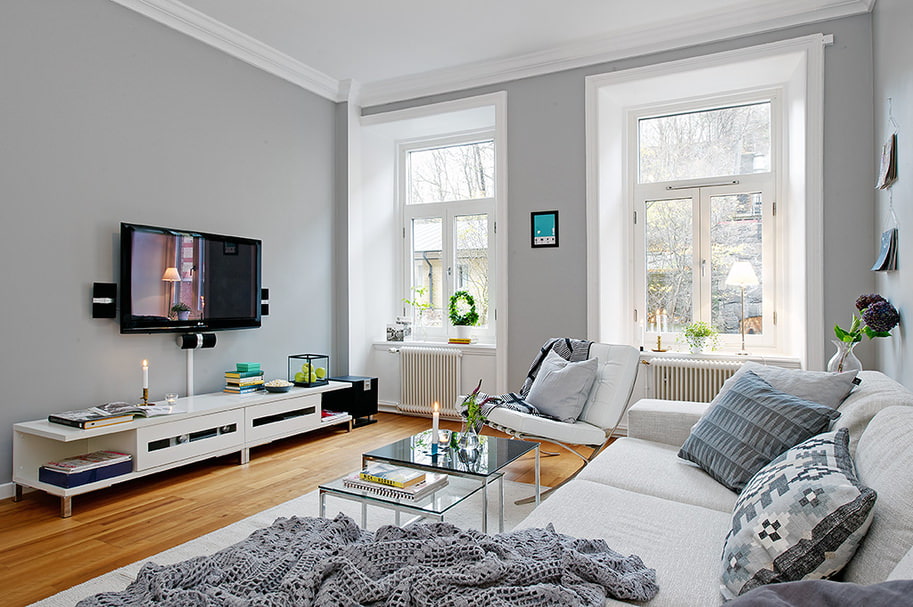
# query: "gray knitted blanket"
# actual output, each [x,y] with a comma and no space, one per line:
[324,562]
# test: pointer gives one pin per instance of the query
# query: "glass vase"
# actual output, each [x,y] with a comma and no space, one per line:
[469,438]
[844,359]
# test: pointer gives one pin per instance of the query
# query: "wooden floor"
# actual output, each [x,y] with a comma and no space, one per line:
[42,554]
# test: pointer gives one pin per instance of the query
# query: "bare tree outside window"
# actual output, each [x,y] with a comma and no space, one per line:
[456,172]
[710,143]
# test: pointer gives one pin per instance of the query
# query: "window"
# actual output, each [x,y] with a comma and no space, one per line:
[448,206]
[704,200]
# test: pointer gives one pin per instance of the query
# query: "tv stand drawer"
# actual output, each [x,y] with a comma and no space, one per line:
[189,438]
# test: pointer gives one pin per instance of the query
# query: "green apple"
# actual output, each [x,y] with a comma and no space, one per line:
[300,377]
[306,368]
[320,372]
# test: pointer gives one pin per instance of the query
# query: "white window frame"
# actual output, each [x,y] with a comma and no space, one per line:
[797,67]
[700,191]
[448,211]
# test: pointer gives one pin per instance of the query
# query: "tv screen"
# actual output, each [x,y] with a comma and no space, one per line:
[180,281]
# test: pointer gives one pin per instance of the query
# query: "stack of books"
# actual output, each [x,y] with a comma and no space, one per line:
[460,340]
[87,468]
[395,482]
[247,377]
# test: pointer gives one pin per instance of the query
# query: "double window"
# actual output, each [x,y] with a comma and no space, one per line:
[703,200]
[448,207]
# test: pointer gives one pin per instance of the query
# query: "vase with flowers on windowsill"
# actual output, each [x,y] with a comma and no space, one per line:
[876,318]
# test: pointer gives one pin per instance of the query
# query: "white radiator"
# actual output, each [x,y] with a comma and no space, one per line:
[430,375]
[689,378]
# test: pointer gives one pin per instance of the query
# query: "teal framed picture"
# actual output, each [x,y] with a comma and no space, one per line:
[544,229]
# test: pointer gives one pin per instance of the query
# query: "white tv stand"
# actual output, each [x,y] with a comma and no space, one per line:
[201,427]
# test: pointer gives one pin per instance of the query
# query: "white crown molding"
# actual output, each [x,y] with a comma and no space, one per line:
[200,26]
[742,20]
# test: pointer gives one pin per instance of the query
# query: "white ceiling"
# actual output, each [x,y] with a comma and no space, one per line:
[397,49]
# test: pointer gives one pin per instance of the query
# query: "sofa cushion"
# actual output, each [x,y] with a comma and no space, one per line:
[817,386]
[884,459]
[561,387]
[682,542]
[876,392]
[748,426]
[577,433]
[654,469]
[800,517]
[825,593]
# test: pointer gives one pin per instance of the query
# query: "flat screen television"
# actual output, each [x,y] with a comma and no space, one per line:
[178,281]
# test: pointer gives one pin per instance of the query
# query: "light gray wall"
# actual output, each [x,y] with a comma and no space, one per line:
[893,44]
[546,163]
[107,116]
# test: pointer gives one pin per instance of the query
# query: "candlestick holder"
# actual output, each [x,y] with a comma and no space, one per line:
[145,396]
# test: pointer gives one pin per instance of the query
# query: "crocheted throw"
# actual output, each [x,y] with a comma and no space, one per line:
[323,562]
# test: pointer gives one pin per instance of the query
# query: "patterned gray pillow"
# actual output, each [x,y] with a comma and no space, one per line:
[749,425]
[800,518]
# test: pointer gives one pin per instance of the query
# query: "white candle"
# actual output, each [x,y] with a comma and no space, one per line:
[145,374]
[435,419]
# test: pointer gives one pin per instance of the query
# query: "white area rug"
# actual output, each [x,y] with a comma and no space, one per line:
[466,515]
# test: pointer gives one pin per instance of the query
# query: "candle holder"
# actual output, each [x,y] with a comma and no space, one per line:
[145,396]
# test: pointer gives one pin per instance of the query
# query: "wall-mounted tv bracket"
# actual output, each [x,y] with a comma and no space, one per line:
[264,302]
[191,342]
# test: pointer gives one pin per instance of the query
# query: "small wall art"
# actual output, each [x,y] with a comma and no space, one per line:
[544,229]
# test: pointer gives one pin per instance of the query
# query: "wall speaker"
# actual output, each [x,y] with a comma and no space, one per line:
[195,341]
[104,300]
[264,302]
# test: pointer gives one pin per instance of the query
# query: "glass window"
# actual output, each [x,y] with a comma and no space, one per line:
[736,234]
[455,172]
[708,143]
[669,240]
[694,227]
[448,207]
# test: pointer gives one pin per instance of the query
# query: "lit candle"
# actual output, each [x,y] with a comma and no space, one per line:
[435,419]
[145,374]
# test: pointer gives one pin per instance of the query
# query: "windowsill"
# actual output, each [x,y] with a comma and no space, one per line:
[477,347]
[721,355]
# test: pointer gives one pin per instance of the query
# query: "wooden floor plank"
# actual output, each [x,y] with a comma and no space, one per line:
[41,553]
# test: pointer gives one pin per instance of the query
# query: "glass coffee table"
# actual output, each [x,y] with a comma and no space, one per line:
[468,472]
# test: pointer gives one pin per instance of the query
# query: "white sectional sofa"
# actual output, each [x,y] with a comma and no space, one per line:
[642,499]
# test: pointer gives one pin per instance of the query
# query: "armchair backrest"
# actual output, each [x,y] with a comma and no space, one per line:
[614,384]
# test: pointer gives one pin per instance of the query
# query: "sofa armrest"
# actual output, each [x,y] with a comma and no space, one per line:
[664,421]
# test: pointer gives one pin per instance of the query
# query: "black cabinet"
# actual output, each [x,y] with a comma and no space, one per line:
[359,400]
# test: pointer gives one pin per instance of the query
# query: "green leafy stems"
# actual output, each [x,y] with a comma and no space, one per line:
[473,409]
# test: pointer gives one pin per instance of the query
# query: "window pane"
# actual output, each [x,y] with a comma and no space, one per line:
[670,254]
[710,143]
[735,235]
[471,272]
[456,172]
[427,272]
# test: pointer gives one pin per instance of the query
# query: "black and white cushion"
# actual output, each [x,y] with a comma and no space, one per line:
[801,517]
[748,426]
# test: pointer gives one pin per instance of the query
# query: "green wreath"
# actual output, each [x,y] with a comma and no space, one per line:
[463,309]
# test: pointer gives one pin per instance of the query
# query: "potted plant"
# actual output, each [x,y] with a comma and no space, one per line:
[422,304]
[180,310]
[463,312]
[699,335]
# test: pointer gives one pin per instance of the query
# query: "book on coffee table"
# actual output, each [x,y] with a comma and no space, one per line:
[432,483]
[395,476]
